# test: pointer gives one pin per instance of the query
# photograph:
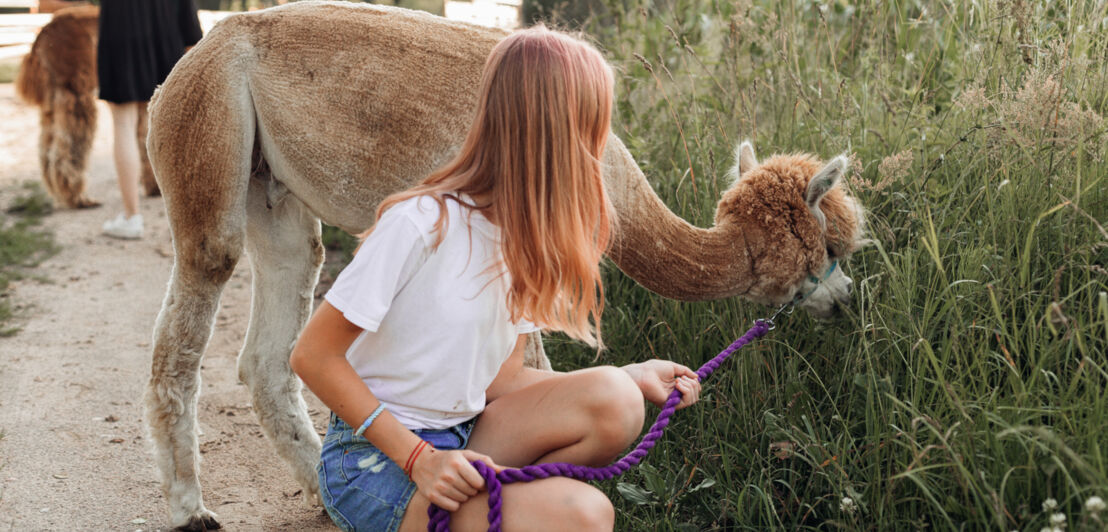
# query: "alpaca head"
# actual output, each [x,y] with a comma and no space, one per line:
[797,222]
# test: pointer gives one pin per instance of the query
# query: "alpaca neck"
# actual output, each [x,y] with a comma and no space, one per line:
[663,252]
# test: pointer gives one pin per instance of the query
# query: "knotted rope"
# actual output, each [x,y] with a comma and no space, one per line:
[440,519]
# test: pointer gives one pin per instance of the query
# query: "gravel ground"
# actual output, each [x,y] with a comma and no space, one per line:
[73,450]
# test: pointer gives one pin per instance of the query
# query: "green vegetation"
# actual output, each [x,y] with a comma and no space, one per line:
[23,244]
[9,69]
[968,382]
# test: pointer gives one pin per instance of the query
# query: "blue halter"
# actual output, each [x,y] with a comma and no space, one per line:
[818,280]
[787,308]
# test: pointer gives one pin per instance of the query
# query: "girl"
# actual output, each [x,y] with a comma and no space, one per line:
[418,346]
[139,42]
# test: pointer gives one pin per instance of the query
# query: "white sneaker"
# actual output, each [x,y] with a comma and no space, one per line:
[126,228]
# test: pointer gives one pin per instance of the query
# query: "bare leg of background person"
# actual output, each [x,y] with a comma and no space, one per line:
[125,151]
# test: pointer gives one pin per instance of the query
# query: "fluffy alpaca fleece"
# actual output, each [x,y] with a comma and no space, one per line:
[317,110]
[766,199]
[59,77]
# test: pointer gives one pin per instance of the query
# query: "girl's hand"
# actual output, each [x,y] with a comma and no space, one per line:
[658,378]
[447,478]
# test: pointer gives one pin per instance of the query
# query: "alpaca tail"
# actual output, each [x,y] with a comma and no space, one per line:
[31,82]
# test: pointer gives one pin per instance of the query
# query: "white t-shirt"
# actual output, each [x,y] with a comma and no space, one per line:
[437,325]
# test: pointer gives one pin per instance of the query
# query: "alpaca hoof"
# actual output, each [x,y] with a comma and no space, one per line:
[200,523]
[311,498]
[85,203]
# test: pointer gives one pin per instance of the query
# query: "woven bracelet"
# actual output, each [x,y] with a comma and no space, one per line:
[369,420]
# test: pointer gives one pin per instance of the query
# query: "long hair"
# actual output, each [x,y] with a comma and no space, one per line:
[533,152]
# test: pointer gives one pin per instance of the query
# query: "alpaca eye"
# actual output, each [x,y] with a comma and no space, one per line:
[830,253]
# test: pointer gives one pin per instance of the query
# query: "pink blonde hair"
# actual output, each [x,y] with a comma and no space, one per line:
[533,152]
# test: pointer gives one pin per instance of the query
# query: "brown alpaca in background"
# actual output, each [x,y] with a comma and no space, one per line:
[59,76]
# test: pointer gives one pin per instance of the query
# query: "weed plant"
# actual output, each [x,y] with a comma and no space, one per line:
[967,382]
[23,245]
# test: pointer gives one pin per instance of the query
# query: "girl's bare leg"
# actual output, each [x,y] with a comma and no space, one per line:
[125,150]
[586,417]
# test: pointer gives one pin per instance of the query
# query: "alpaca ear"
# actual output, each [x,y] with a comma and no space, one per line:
[744,161]
[746,157]
[825,180]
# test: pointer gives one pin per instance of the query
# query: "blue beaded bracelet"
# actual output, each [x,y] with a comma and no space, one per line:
[369,420]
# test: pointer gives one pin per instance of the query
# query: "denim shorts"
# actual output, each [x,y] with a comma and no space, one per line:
[362,488]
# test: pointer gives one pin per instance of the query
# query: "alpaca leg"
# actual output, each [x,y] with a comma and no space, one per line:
[46,148]
[206,254]
[533,354]
[181,333]
[201,155]
[286,251]
[146,173]
[74,126]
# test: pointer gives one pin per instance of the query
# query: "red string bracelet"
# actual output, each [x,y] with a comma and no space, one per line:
[413,457]
[410,454]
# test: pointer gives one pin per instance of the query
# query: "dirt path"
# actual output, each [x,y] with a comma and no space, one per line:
[73,453]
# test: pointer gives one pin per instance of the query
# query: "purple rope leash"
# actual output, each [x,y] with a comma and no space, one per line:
[440,519]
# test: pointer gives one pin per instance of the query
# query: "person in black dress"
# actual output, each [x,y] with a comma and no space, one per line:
[140,41]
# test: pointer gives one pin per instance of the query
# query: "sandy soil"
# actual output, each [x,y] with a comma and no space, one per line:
[73,450]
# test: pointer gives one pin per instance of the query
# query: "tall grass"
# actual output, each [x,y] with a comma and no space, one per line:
[967,384]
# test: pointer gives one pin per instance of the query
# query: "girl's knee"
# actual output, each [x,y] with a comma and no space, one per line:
[617,407]
[555,503]
[591,510]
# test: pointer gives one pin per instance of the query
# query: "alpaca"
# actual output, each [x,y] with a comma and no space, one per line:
[318,110]
[59,77]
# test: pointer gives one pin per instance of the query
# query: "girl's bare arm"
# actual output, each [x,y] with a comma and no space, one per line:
[319,358]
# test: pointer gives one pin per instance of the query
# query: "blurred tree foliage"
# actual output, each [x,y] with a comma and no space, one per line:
[431,6]
[562,13]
